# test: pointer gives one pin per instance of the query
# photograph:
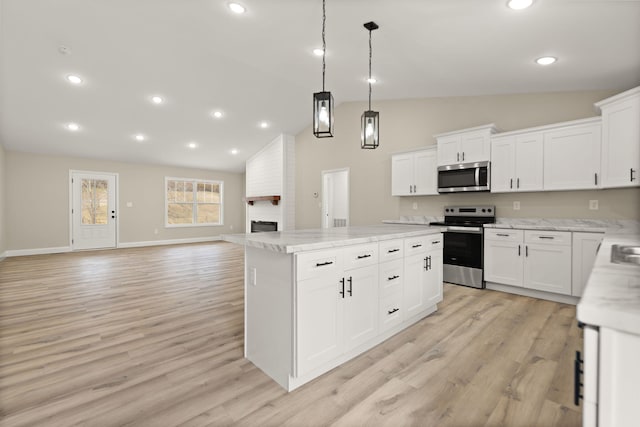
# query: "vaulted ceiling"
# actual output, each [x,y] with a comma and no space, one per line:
[259,67]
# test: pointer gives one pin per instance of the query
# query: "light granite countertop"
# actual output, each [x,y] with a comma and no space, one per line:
[612,296]
[307,240]
[585,225]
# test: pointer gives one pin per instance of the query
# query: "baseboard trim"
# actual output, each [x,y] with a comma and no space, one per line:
[38,251]
[3,255]
[549,296]
[168,242]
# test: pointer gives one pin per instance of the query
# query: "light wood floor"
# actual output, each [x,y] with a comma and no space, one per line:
[153,337]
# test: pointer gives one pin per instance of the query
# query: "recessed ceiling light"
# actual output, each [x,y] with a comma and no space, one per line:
[192,145]
[217,114]
[318,51]
[372,80]
[234,151]
[73,127]
[72,78]
[140,137]
[157,99]
[264,125]
[519,4]
[237,8]
[546,60]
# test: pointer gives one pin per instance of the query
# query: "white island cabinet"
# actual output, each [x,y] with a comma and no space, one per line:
[317,298]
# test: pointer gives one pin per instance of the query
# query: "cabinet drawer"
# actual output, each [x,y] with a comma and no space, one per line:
[360,255]
[315,264]
[391,249]
[435,241]
[391,311]
[505,235]
[391,276]
[548,237]
[415,245]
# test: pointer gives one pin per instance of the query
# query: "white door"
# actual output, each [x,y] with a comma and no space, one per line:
[503,262]
[529,163]
[93,210]
[448,150]
[426,172]
[414,284]
[548,268]
[620,147]
[402,174]
[503,162]
[361,306]
[474,147]
[335,198]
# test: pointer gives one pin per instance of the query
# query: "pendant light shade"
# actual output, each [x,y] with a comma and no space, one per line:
[370,121]
[323,114]
[369,129]
[323,101]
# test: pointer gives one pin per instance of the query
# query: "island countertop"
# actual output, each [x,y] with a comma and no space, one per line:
[326,238]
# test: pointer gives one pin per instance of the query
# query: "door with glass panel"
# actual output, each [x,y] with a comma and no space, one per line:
[94,210]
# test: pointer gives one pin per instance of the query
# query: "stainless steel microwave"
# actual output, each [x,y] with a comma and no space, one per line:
[461,177]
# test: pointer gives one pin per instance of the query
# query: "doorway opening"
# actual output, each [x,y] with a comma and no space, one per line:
[335,198]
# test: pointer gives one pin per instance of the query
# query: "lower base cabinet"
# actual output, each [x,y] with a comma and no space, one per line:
[335,303]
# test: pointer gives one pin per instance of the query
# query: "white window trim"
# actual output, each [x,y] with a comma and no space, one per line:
[194,180]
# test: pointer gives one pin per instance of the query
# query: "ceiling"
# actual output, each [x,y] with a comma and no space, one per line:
[259,66]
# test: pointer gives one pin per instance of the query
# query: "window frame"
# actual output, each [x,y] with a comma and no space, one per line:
[194,182]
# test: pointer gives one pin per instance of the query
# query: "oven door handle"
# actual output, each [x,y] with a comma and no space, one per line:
[469,230]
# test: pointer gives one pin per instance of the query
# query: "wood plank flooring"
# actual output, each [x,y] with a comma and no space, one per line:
[154,336]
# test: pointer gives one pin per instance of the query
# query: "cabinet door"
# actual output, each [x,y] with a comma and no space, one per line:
[320,322]
[548,268]
[448,150]
[528,162]
[475,147]
[621,144]
[402,175]
[503,164]
[503,261]
[361,306]
[433,279]
[425,172]
[585,247]
[415,298]
[572,158]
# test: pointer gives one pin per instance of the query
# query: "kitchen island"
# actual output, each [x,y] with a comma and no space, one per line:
[317,298]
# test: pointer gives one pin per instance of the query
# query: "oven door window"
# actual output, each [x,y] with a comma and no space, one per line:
[464,249]
[457,178]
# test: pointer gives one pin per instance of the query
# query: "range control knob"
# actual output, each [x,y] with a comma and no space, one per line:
[484,210]
[489,210]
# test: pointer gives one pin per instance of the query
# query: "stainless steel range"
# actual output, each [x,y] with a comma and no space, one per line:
[464,243]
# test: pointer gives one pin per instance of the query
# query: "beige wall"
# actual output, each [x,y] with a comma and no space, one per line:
[410,123]
[37,201]
[3,227]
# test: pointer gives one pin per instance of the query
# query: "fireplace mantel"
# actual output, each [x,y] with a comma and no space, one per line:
[273,199]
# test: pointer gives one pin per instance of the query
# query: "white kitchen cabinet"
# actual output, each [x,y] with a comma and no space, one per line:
[621,139]
[503,260]
[572,156]
[584,249]
[547,264]
[414,173]
[423,274]
[465,146]
[611,375]
[516,162]
[337,310]
[391,280]
[539,260]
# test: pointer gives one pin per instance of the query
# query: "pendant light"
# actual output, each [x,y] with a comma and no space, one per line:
[370,132]
[323,101]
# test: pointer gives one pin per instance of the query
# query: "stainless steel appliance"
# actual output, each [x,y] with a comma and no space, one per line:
[463,256]
[464,177]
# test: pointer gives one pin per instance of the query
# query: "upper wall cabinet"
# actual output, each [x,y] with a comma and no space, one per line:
[414,173]
[516,162]
[572,155]
[621,139]
[464,146]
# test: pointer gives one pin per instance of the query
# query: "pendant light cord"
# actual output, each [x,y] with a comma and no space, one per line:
[370,54]
[324,44]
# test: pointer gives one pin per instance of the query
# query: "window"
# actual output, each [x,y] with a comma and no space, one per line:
[94,198]
[193,202]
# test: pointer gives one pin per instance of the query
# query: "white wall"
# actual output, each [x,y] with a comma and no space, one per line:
[3,228]
[37,201]
[411,123]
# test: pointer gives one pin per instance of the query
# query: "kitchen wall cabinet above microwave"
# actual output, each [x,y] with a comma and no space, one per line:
[465,146]
[414,173]
[621,139]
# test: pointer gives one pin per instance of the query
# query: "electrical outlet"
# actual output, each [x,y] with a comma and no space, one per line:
[155,231]
[593,205]
[231,227]
[415,206]
[516,206]
[129,204]
[254,280]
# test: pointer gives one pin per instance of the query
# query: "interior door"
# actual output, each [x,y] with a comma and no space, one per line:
[94,210]
[335,198]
